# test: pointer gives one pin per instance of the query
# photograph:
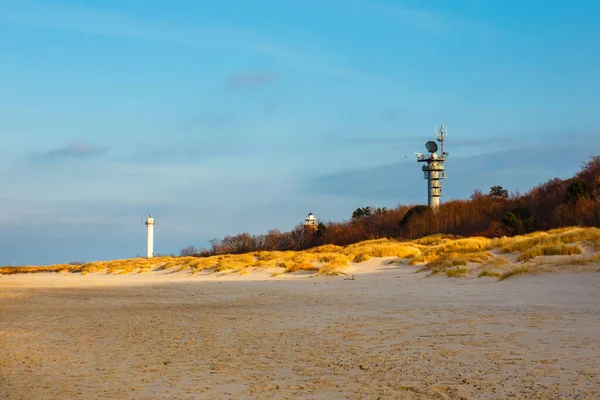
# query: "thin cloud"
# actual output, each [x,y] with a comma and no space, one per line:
[418,18]
[234,38]
[249,79]
[75,150]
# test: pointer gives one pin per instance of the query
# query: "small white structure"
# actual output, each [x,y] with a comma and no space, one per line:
[311,222]
[150,238]
[434,171]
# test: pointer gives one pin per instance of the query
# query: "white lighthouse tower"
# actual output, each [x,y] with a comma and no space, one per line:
[434,171]
[150,237]
[311,223]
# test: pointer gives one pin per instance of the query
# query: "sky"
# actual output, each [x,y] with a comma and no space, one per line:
[220,117]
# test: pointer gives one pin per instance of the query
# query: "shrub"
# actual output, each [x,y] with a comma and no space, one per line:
[188,251]
[576,190]
[511,220]
[416,210]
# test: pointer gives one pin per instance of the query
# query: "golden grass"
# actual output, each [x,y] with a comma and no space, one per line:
[303,266]
[33,270]
[328,248]
[491,274]
[474,247]
[330,270]
[549,250]
[437,253]
[335,260]
[513,272]
[579,263]
[362,257]
[383,248]
[233,263]
[589,236]
[441,261]
[459,261]
[434,240]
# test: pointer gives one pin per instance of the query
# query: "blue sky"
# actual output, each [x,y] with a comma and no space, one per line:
[228,116]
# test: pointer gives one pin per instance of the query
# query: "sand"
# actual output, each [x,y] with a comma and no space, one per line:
[390,333]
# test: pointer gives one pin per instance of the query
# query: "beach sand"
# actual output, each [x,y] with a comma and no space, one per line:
[390,333]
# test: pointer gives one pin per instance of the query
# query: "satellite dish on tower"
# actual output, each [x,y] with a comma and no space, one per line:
[431,146]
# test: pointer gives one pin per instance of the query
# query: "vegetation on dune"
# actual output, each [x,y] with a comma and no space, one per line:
[491,274]
[513,272]
[362,257]
[559,236]
[303,266]
[549,250]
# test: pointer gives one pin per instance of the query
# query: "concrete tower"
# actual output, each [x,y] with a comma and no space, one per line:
[150,238]
[434,171]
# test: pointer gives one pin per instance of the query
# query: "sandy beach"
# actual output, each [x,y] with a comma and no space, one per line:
[389,333]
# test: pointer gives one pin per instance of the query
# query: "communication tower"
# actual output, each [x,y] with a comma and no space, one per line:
[434,171]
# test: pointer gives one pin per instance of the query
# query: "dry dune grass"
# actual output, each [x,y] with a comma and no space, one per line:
[513,272]
[454,248]
[450,253]
[62,268]
[549,250]
[303,266]
[491,274]
[590,236]
[434,240]
[362,257]
[445,254]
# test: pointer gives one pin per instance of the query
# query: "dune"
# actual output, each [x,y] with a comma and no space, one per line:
[500,257]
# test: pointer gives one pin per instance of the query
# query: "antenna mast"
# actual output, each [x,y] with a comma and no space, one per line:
[441,136]
[434,171]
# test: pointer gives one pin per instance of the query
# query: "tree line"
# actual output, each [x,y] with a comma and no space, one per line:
[552,204]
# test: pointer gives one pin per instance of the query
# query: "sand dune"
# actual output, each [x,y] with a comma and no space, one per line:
[569,248]
[390,333]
